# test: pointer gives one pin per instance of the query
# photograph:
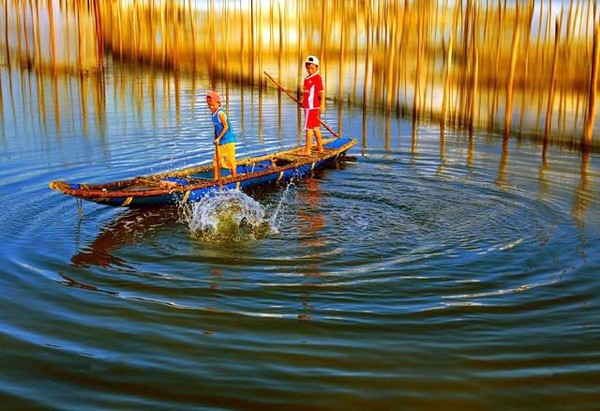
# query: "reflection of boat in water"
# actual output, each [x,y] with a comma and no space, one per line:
[193,183]
[126,229]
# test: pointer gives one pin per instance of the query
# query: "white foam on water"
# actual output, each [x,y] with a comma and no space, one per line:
[228,215]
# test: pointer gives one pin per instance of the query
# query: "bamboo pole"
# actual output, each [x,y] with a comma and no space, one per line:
[355,51]
[425,55]
[368,17]
[552,86]
[494,94]
[324,37]
[432,61]
[252,38]
[6,30]
[403,52]
[342,60]
[37,45]
[390,65]
[279,66]
[52,38]
[99,32]
[18,28]
[461,113]
[593,86]
[474,73]
[28,55]
[447,71]
[526,69]
[401,70]
[511,74]
[260,58]
[416,84]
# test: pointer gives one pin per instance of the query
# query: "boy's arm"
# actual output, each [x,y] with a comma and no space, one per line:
[322,100]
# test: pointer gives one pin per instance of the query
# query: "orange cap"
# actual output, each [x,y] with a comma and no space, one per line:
[214,96]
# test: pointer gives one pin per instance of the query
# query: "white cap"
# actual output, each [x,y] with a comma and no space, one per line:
[312,59]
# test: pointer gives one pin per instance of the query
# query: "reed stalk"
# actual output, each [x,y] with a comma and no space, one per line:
[474,75]
[511,74]
[593,88]
[552,85]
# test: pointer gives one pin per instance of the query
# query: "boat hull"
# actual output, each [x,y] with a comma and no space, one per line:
[192,184]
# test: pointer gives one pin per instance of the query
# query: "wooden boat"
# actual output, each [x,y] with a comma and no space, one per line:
[191,184]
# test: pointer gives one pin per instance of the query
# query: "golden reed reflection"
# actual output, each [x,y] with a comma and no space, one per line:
[501,180]
[467,64]
[583,198]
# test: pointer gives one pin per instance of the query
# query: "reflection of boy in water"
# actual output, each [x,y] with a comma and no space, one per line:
[313,222]
[313,101]
[224,135]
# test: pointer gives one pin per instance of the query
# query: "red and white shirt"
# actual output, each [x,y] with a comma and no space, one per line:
[313,85]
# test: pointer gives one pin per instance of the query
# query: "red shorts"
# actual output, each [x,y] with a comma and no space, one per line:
[311,118]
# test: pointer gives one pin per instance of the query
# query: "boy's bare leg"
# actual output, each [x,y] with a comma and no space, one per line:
[319,136]
[309,138]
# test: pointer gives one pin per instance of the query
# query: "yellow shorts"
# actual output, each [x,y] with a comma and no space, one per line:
[226,156]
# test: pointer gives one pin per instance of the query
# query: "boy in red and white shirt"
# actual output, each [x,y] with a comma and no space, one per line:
[313,102]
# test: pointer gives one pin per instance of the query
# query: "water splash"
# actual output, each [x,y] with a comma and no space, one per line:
[280,207]
[228,215]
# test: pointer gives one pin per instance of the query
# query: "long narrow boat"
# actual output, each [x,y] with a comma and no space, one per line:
[191,184]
